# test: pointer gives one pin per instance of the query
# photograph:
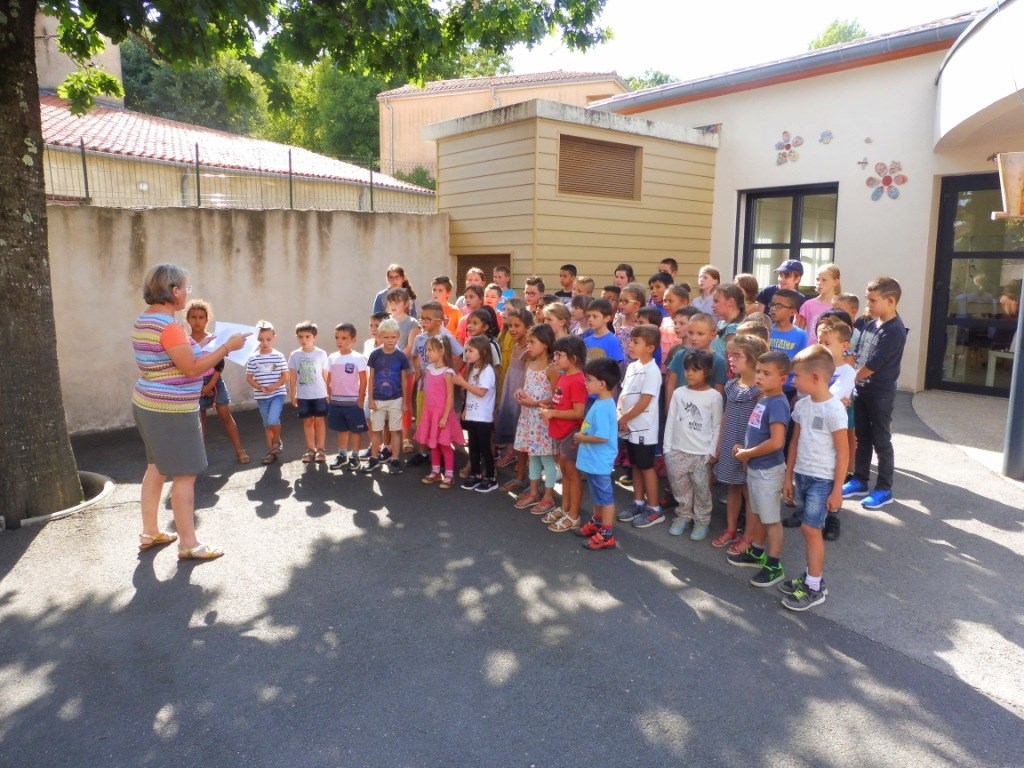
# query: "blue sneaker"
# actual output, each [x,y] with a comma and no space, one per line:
[699,532]
[877,499]
[854,488]
[648,517]
[679,525]
[630,512]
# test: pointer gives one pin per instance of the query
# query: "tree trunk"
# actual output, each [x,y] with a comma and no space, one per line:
[37,468]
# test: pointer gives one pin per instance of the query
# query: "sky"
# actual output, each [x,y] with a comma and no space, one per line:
[694,38]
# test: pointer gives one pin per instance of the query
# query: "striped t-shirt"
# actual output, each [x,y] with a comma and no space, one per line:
[265,370]
[161,386]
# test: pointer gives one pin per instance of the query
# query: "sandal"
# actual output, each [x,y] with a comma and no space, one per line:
[433,477]
[200,552]
[527,500]
[243,457]
[408,446]
[552,516]
[320,456]
[270,458]
[447,481]
[147,541]
[563,524]
[725,539]
[308,456]
[506,460]
[543,508]
[740,546]
[513,486]
[277,447]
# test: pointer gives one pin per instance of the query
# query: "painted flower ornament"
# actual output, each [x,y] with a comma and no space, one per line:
[786,148]
[886,180]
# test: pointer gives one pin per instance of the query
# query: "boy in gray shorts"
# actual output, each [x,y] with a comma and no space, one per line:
[763,454]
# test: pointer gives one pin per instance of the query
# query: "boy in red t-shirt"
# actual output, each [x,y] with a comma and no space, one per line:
[564,418]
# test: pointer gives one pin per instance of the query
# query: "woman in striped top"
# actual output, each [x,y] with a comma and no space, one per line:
[165,403]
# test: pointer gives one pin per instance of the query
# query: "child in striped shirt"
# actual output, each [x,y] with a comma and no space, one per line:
[267,372]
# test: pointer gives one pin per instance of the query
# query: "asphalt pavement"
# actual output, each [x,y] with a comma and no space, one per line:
[373,621]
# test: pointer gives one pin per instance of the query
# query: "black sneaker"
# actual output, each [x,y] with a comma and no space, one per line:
[365,453]
[767,576]
[417,458]
[340,462]
[353,462]
[805,598]
[371,464]
[385,453]
[486,485]
[395,467]
[747,559]
[831,532]
[470,483]
[793,521]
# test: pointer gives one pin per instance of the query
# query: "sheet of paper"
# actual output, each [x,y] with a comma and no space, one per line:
[223,330]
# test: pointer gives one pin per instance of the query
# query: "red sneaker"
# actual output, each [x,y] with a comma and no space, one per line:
[587,529]
[598,541]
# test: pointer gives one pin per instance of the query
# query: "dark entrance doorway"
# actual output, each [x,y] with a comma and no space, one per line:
[978,269]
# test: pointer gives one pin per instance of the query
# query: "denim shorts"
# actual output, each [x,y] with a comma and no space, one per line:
[601,489]
[270,409]
[811,494]
[219,397]
[312,408]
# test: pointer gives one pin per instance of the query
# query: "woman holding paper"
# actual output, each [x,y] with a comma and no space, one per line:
[165,403]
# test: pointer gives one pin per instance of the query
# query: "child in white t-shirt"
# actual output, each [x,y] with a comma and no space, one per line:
[835,336]
[478,414]
[307,367]
[346,383]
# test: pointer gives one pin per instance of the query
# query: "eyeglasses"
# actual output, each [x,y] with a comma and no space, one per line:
[629,301]
[777,305]
[186,288]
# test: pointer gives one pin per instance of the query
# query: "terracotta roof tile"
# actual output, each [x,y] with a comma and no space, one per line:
[501,81]
[133,134]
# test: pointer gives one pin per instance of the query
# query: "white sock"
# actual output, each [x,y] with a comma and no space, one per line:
[813,582]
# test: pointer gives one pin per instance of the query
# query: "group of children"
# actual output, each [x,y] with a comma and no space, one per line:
[564,386]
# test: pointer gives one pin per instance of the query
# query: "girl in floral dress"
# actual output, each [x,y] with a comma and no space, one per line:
[517,324]
[532,435]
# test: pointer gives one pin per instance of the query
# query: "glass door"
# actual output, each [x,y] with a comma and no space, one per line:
[978,271]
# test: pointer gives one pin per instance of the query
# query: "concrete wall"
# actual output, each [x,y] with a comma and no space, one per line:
[284,266]
[878,113]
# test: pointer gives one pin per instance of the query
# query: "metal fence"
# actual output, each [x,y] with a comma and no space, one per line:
[81,176]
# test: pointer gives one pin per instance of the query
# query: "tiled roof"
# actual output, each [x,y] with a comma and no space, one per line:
[501,81]
[133,134]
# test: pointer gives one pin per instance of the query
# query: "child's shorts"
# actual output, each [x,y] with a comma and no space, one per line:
[640,456]
[764,488]
[314,407]
[849,416]
[270,410]
[567,448]
[388,413]
[345,418]
[219,397]
[601,489]
[811,493]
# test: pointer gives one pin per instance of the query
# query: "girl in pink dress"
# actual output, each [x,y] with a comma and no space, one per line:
[439,425]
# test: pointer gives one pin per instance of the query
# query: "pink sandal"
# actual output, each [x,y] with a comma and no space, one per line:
[725,539]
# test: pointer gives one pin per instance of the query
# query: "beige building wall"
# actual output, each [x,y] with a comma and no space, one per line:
[284,266]
[672,218]
[499,185]
[126,182]
[402,118]
[487,185]
[53,66]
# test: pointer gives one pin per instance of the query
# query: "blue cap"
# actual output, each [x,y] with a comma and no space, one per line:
[791,265]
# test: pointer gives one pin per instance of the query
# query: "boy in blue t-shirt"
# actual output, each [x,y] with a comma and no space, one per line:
[388,373]
[763,455]
[785,336]
[598,446]
[602,342]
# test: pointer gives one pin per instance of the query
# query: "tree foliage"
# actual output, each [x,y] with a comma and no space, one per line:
[224,94]
[839,31]
[651,78]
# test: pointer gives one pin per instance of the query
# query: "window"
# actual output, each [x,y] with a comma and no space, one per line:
[601,168]
[794,223]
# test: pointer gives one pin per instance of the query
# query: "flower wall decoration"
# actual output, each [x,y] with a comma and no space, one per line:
[886,180]
[826,137]
[787,148]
